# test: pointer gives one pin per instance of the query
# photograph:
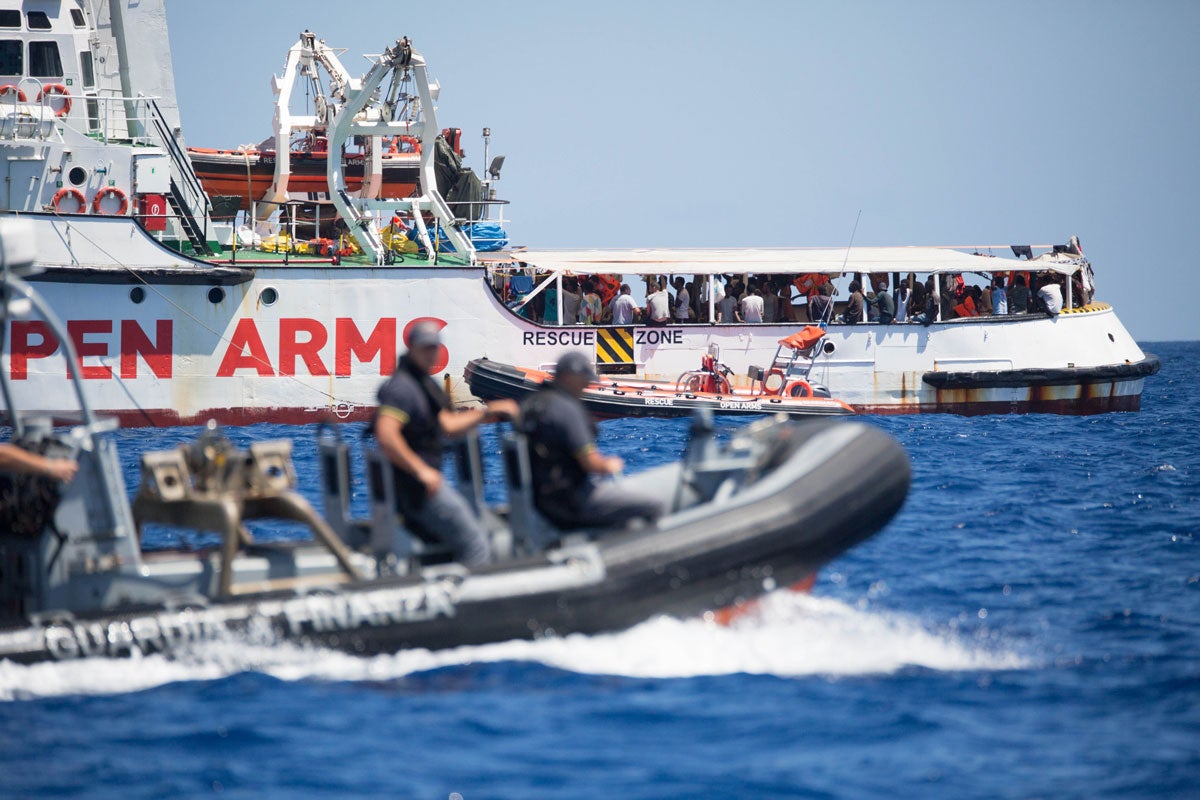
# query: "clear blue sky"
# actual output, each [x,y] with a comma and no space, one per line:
[635,124]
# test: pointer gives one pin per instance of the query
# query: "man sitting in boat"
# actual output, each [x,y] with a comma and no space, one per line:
[564,459]
[413,418]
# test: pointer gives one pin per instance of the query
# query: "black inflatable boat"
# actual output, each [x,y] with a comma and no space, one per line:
[762,511]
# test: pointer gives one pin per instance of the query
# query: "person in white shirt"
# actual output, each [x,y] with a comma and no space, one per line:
[727,308]
[683,301]
[623,307]
[1051,297]
[752,306]
[900,300]
[658,309]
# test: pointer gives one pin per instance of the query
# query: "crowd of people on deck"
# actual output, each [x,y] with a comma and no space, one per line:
[787,298]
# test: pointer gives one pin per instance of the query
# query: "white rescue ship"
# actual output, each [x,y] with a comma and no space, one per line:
[176,318]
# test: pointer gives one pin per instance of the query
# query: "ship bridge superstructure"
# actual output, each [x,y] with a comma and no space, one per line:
[89,124]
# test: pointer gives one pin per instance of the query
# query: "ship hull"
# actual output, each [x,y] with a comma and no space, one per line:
[306,342]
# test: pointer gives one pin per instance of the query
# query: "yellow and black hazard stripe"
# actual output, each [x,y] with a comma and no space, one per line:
[1087,309]
[614,345]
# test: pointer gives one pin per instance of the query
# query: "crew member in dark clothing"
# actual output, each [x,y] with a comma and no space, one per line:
[564,458]
[854,306]
[819,305]
[413,418]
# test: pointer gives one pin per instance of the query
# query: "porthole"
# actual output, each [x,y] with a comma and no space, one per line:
[268,296]
[216,294]
[1112,338]
[77,176]
[828,347]
[137,294]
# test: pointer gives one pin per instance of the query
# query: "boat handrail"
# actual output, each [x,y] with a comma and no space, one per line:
[114,112]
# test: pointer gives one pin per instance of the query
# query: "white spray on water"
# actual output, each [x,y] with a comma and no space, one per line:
[788,635]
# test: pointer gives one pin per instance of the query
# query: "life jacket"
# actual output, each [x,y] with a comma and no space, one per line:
[808,283]
[607,287]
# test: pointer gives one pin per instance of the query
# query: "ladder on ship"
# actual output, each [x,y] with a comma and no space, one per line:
[187,197]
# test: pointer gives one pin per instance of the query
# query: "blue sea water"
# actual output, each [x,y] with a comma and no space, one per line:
[1028,626]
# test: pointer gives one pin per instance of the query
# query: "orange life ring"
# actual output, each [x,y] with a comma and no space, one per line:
[395,147]
[105,192]
[774,371]
[8,89]
[73,193]
[799,388]
[61,91]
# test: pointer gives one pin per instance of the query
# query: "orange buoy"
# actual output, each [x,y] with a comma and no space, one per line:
[114,191]
[74,194]
[57,90]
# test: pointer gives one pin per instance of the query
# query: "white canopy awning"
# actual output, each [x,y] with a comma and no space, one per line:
[709,261]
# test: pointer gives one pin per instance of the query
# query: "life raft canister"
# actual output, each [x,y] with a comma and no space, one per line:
[57,90]
[74,194]
[105,192]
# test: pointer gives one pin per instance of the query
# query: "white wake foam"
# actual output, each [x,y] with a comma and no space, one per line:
[789,635]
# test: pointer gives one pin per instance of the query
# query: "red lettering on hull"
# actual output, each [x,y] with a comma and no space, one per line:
[77,330]
[443,357]
[245,351]
[290,348]
[23,349]
[300,338]
[348,343]
[135,342]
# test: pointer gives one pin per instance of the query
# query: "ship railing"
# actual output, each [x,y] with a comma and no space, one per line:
[291,227]
[475,218]
[113,117]
[25,119]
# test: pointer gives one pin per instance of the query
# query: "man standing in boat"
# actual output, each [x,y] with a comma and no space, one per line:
[565,462]
[413,419]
